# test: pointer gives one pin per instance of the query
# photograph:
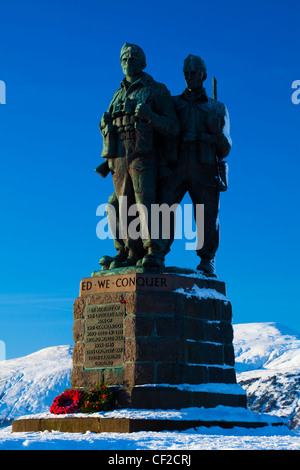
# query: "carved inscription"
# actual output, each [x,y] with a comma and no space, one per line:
[125,283]
[104,336]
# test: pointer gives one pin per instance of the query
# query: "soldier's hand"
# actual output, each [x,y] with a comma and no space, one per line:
[143,111]
[164,174]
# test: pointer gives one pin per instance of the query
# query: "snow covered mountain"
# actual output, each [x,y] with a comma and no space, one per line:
[266,346]
[29,384]
[267,365]
[267,359]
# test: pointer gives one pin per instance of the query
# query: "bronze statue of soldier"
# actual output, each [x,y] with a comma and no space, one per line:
[140,119]
[200,170]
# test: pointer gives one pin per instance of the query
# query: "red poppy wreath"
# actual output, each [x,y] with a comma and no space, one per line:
[68,402]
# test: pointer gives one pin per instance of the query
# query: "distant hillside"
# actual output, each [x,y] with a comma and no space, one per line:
[267,365]
[29,384]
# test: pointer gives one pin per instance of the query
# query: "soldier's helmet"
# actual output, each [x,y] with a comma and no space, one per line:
[195,62]
[135,51]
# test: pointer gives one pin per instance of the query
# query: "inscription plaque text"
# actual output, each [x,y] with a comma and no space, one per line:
[104,336]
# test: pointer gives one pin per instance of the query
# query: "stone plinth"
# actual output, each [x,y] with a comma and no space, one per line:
[75,424]
[145,334]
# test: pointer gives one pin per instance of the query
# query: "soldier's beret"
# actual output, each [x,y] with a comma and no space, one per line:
[133,49]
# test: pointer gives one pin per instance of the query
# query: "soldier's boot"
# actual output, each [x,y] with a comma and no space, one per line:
[131,260]
[106,260]
[207,267]
[153,259]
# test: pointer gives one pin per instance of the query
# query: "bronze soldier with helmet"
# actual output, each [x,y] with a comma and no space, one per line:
[200,170]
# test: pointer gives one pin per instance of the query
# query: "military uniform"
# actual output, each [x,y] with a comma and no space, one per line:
[135,148]
[204,142]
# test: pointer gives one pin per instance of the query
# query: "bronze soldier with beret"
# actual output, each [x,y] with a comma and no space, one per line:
[140,118]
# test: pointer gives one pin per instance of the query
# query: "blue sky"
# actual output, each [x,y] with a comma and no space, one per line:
[60,63]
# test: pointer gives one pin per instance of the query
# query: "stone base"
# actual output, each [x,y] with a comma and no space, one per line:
[186,396]
[100,424]
[160,341]
[166,328]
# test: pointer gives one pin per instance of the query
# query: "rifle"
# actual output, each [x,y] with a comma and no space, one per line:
[222,178]
[214,88]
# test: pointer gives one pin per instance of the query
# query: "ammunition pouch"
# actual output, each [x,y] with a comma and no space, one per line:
[128,134]
[109,134]
[126,107]
[130,129]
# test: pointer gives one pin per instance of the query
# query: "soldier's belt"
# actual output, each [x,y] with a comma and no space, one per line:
[128,135]
[127,128]
[122,120]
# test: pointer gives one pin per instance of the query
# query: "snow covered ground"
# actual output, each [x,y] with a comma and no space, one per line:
[268,366]
[200,439]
